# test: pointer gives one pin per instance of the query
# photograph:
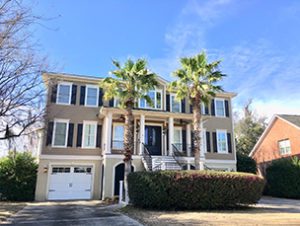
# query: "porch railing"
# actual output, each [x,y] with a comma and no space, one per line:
[184,150]
[177,154]
[147,157]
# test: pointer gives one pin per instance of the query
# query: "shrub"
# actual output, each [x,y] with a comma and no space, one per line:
[245,163]
[193,189]
[17,177]
[283,178]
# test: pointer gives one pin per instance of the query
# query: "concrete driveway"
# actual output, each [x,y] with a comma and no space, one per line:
[71,213]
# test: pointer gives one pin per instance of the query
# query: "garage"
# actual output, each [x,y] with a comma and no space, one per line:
[70,183]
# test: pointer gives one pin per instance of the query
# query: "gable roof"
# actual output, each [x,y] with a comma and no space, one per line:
[293,120]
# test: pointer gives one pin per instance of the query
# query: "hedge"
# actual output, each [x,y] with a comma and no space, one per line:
[17,177]
[193,189]
[283,178]
[245,163]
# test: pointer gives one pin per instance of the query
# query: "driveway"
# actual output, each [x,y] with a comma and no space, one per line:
[71,213]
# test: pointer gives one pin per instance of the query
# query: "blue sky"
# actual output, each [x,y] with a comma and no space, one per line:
[257,41]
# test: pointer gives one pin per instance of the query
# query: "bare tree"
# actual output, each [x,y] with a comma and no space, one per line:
[21,92]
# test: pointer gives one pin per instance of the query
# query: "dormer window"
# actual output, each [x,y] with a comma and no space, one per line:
[64,93]
[156,97]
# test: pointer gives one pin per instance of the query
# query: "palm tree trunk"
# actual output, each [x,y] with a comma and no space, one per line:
[128,145]
[197,130]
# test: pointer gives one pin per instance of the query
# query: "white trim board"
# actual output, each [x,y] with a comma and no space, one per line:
[70,157]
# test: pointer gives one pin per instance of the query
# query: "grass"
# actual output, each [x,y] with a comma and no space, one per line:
[7,209]
[254,215]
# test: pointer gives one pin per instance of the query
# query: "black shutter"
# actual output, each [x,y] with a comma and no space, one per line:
[79,135]
[208,149]
[206,109]
[212,106]
[229,142]
[54,93]
[82,95]
[98,142]
[184,140]
[215,145]
[167,134]
[192,144]
[226,108]
[100,101]
[70,135]
[168,103]
[183,105]
[191,108]
[49,133]
[111,102]
[74,93]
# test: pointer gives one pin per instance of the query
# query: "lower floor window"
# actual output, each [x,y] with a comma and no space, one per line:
[221,141]
[89,134]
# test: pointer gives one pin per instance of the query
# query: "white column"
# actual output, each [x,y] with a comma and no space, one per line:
[142,133]
[171,135]
[108,127]
[188,140]
[202,155]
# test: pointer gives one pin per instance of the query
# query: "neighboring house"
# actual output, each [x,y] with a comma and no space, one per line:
[81,155]
[280,139]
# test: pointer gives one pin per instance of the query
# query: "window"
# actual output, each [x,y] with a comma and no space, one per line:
[220,107]
[178,138]
[156,97]
[83,169]
[61,170]
[284,147]
[116,102]
[60,132]
[118,136]
[175,105]
[91,96]
[64,93]
[222,141]
[203,137]
[89,134]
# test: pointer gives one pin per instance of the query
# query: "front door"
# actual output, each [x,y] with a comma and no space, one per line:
[153,139]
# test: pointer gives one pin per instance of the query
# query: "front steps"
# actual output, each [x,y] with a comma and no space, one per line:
[164,163]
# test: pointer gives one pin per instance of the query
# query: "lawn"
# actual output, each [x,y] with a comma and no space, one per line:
[269,211]
[7,209]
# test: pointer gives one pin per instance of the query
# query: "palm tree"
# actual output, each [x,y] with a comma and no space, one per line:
[130,82]
[197,80]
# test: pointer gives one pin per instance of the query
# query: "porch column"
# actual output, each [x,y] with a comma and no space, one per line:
[202,155]
[188,140]
[142,133]
[171,135]
[108,127]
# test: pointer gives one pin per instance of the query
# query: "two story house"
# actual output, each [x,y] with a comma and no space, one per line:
[82,149]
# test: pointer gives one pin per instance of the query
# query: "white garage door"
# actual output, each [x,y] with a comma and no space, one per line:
[70,182]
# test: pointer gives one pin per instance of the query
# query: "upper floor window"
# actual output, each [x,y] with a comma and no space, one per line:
[91,96]
[60,132]
[156,98]
[118,136]
[220,107]
[284,147]
[89,134]
[64,93]
[222,141]
[175,105]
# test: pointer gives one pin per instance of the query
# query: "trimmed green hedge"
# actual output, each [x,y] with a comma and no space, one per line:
[283,178]
[18,173]
[193,189]
[245,163]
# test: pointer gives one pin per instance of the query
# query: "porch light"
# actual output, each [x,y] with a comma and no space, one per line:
[45,169]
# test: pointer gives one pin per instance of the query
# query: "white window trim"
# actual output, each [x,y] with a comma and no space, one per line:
[115,125]
[83,134]
[70,92]
[155,100]
[223,100]
[285,147]
[171,105]
[222,131]
[67,133]
[86,94]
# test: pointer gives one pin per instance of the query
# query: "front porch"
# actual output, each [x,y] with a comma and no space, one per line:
[162,139]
